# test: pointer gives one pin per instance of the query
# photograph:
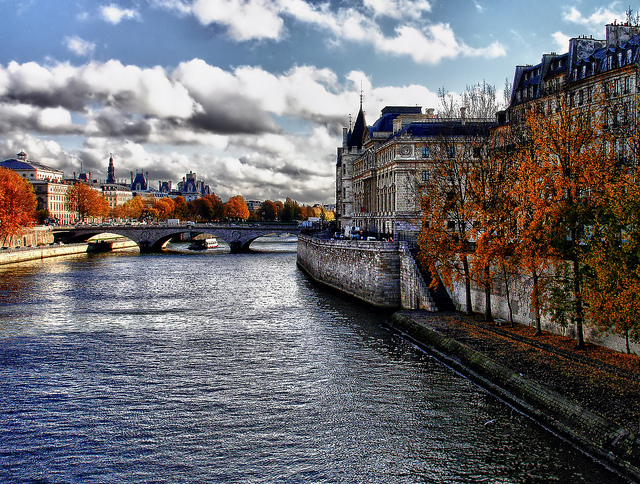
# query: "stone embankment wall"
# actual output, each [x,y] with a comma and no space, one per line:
[35,236]
[593,433]
[383,274]
[519,298]
[23,255]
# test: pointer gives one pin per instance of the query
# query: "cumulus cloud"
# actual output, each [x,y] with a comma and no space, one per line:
[424,42]
[398,8]
[596,20]
[79,46]
[244,131]
[114,14]
[561,40]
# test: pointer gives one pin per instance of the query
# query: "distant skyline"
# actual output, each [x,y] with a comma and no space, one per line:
[251,95]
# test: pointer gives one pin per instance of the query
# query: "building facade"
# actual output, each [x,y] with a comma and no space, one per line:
[379,182]
[48,185]
[596,75]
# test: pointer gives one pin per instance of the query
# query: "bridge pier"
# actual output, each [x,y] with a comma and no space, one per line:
[239,247]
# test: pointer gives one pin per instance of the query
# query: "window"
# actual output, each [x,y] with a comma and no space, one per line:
[425,176]
[425,152]
[451,152]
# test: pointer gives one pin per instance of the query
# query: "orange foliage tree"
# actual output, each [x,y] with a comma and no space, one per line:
[448,213]
[573,166]
[236,208]
[164,207]
[17,202]
[87,201]
[612,283]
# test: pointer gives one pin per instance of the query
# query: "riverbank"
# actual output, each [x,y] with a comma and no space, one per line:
[589,397]
[14,256]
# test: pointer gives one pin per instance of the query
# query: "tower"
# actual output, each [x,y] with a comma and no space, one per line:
[111,172]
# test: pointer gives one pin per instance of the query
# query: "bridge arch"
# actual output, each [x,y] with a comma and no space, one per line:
[151,238]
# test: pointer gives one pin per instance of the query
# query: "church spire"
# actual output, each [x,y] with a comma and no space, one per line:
[360,129]
[111,172]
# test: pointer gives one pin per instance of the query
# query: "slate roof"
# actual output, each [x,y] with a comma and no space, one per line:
[359,133]
[14,164]
[446,128]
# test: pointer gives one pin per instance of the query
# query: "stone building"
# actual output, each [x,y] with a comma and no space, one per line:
[48,184]
[381,168]
[594,74]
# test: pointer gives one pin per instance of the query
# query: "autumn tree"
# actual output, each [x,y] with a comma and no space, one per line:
[87,201]
[268,211]
[455,187]
[164,207]
[445,238]
[236,208]
[17,202]
[612,281]
[533,252]
[132,208]
[181,209]
[574,164]
[490,175]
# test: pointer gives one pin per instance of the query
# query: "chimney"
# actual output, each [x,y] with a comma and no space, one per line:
[430,112]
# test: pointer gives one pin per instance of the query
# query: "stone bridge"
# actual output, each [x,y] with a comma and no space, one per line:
[151,238]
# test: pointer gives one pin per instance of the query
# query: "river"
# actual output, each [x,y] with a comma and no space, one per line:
[220,368]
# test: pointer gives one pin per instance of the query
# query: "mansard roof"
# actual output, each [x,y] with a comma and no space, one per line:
[14,164]
[586,57]
[446,127]
[385,122]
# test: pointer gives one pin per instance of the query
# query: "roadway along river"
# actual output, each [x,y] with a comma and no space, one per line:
[221,368]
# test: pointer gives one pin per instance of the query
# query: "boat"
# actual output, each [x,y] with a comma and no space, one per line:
[203,244]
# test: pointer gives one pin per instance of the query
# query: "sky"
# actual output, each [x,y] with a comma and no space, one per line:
[251,95]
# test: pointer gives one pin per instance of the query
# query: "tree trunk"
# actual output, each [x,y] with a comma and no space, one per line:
[507,293]
[626,337]
[578,299]
[467,284]
[536,302]
[487,294]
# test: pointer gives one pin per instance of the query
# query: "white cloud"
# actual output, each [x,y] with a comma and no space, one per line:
[246,20]
[222,124]
[601,16]
[561,40]
[79,46]
[114,14]
[398,8]
[265,19]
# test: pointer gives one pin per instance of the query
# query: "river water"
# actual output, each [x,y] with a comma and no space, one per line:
[220,368]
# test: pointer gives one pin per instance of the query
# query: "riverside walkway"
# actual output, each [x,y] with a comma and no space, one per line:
[590,397]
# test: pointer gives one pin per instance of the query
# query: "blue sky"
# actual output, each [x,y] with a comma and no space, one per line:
[251,95]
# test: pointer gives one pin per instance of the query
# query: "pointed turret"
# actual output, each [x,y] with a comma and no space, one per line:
[360,130]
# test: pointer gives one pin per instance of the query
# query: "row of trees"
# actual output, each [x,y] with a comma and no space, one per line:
[212,208]
[18,206]
[552,201]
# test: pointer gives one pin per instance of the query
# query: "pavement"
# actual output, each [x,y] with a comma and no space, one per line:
[603,381]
